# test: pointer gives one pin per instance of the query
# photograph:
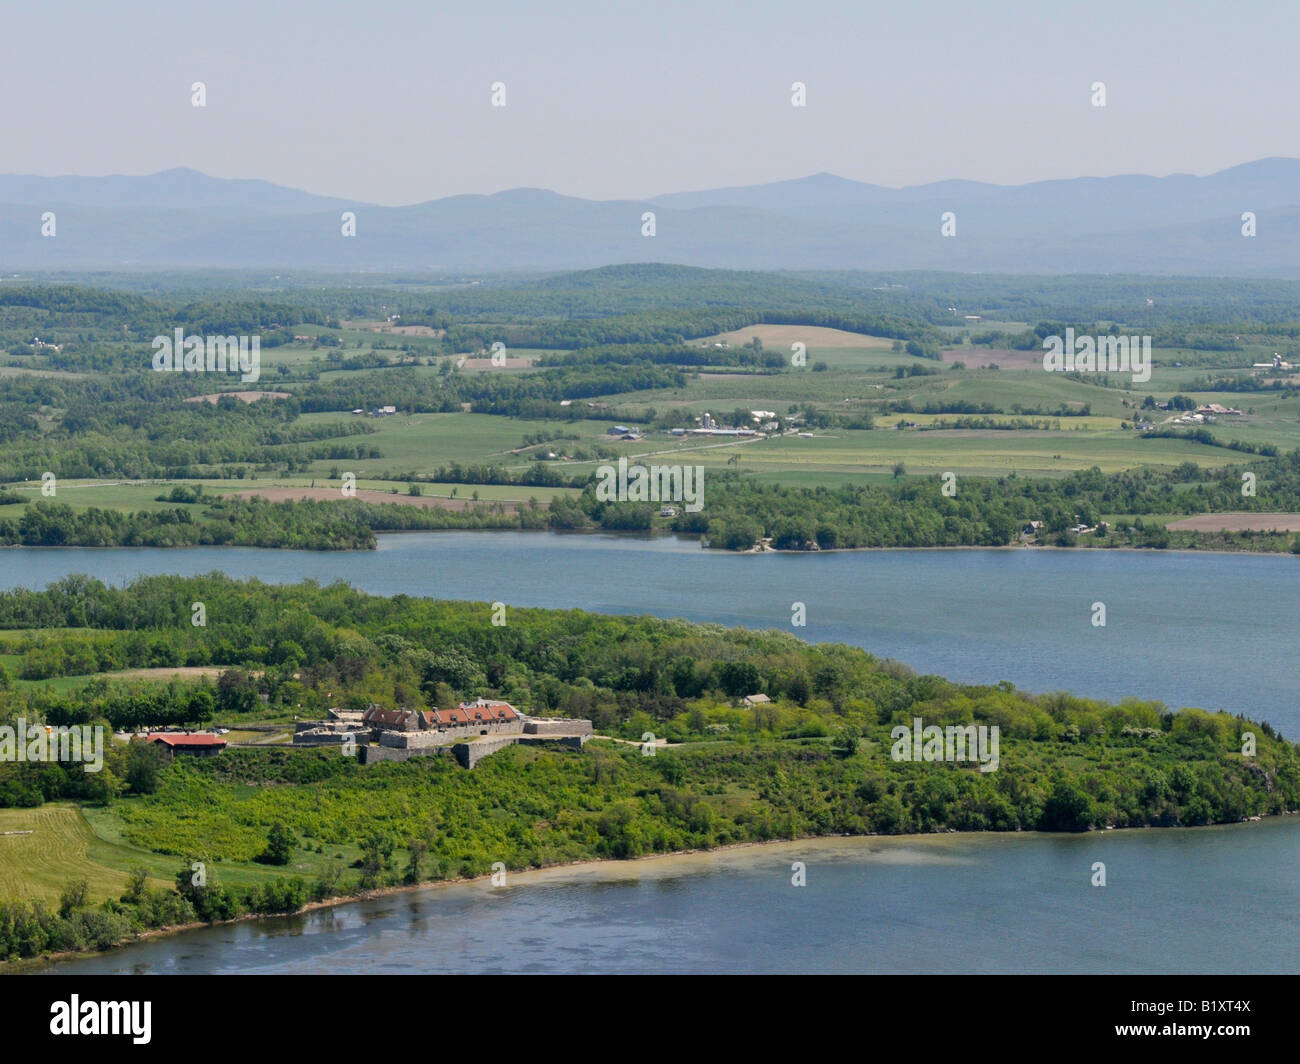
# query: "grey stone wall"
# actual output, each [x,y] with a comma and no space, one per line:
[326,738]
[468,754]
[557,726]
[573,742]
[368,755]
[415,740]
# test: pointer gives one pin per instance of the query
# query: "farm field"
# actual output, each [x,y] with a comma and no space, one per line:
[123,495]
[465,501]
[816,337]
[1244,522]
[985,452]
[882,397]
[61,848]
[132,496]
[420,443]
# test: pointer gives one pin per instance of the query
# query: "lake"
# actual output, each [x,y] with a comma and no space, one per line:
[1216,631]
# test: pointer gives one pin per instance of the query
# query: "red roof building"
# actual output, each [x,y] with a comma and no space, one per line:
[486,709]
[203,745]
[467,714]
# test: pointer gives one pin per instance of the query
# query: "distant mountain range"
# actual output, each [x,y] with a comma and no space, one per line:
[1126,224]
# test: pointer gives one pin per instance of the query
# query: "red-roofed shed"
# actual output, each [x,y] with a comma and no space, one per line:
[202,745]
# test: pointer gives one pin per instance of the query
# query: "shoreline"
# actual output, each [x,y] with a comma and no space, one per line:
[595,865]
[653,535]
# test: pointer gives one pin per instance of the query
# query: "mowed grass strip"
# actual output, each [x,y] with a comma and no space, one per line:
[773,335]
[56,853]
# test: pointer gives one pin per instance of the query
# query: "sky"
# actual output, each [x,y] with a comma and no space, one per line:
[390,101]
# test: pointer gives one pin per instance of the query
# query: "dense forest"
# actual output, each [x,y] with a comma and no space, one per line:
[739,513]
[308,524]
[631,288]
[989,512]
[101,328]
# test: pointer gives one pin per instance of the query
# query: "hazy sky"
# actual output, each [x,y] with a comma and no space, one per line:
[388,101]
